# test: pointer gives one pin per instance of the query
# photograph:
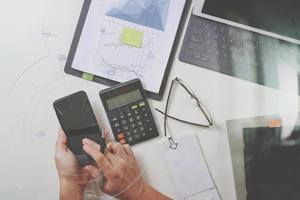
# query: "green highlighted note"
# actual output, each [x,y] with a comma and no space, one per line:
[87,76]
[132,37]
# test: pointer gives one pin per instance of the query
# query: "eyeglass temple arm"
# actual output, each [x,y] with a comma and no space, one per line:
[180,120]
[205,114]
[186,89]
[197,100]
[166,109]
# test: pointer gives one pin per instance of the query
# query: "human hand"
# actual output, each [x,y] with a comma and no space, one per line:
[122,174]
[72,177]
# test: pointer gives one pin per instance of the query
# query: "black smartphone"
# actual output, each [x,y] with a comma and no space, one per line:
[78,121]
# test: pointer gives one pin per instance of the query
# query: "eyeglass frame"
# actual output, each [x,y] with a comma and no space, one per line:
[193,96]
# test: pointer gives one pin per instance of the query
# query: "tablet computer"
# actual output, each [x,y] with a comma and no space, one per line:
[115,43]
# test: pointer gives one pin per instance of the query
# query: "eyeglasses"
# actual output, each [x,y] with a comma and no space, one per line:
[194,97]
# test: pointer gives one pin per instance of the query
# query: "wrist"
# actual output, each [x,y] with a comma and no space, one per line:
[150,193]
[138,193]
[70,191]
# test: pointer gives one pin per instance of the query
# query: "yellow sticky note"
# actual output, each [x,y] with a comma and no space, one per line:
[132,37]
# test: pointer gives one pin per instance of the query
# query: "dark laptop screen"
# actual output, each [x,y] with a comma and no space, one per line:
[272,164]
[277,16]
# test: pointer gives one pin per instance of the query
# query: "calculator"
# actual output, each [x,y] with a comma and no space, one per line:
[129,113]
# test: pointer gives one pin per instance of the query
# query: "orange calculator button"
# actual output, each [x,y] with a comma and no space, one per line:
[122,141]
[120,136]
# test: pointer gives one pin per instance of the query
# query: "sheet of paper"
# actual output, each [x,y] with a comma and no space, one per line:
[207,195]
[188,168]
[101,52]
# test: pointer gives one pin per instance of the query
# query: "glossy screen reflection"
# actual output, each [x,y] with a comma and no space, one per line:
[277,16]
[272,164]
[76,116]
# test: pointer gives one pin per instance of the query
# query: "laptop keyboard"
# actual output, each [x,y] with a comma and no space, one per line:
[237,52]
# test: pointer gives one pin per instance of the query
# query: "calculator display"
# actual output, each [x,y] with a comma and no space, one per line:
[124,99]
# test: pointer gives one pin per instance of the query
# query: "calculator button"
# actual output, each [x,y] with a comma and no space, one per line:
[133,125]
[138,117]
[142,104]
[146,115]
[126,127]
[136,137]
[122,116]
[128,133]
[143,134]
[117,124]
[135,131]
[131,119]
[141,128]
[114,119]
[148,120]
[136,112]
[129,139]
[129,114]
[120,136]
[134,107]
[140,123]
[124,122]
[119,130]
[122,141]
[150,129]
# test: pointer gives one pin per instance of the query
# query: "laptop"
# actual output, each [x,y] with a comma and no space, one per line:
[255,40]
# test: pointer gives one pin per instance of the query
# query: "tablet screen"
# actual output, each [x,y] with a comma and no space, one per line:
[276,16]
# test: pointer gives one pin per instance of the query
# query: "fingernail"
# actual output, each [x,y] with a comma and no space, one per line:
[95,174]
[85,146]
[85,141]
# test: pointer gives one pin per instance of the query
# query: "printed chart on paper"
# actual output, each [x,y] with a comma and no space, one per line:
[142,52]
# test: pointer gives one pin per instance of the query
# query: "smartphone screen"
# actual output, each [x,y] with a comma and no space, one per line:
[78,121]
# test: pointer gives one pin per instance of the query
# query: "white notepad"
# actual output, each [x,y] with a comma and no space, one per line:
[189,170]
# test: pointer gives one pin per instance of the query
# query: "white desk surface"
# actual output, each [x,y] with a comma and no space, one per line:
[35,35]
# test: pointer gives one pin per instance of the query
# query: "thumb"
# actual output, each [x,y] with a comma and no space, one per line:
[61,142]
[92,170]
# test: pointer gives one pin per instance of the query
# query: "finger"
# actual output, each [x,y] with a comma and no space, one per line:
[92,170]
[62,138]
[61,142]
[119,165]
[91,143]
[101,161]
[128,150]
[107,187]
[105,134]
[112,158]
[117,149]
